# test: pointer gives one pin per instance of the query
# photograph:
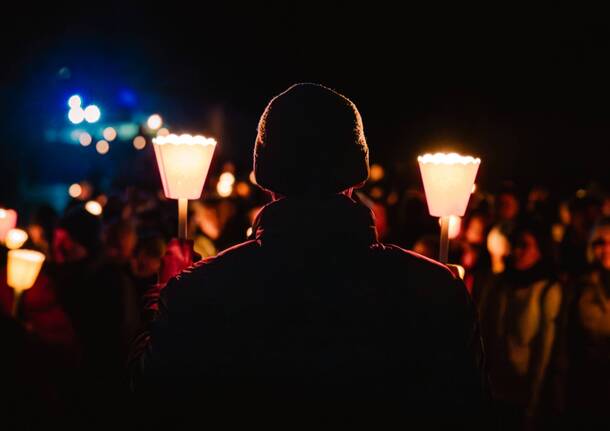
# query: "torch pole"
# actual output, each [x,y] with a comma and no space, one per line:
[444,245]
[182,214]
[16,300]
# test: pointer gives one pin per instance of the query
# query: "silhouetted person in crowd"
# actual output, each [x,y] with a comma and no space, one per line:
[520,325]
[589,368]
[475,259]
[41,227]
[585,209]
[120,240]
[314,320]
[146,262]
[507,206]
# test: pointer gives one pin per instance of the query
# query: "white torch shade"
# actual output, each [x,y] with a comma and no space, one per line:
[183,162]
[8,221]
[15,238]
[22,268]
[448,180]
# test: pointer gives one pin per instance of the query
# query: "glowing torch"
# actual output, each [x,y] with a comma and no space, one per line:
[183,162]
[22,269]
[448,180]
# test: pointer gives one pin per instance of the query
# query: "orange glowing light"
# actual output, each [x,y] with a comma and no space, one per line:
[377,172]
[85,139]
[102,146]
[139,142]
[15,238]
[109,134]
[75,190]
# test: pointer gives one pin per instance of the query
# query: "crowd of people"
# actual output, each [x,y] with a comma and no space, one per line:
[538,270]
[315,297]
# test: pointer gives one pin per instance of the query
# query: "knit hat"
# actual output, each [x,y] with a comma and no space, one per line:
[310,142]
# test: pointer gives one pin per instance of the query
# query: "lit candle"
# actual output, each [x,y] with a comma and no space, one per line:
[448,180]
[183,163]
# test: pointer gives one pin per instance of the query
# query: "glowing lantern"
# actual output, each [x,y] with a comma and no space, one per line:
[448,181]
[94,207]
[15,238]
[225,184]
[22,270]
[183,162]
[8,221]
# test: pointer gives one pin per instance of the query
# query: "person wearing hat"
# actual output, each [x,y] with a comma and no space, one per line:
[521,323]
[312,320]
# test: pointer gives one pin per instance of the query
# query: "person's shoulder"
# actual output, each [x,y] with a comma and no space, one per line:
[230,259]
[214,272]
[415,264]
[422,278]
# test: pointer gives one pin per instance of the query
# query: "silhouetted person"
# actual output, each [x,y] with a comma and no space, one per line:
[313,321]
[589,368]
[520,322]
[585,209]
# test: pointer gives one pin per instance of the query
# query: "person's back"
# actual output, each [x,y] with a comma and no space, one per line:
[314,318]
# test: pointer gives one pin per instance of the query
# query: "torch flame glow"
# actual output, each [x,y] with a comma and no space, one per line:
[15,238]
[448,159]
[183,139]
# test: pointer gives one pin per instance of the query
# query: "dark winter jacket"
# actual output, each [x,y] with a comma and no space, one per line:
[315,316]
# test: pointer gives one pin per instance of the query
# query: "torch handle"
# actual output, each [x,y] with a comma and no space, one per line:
[444,245]
[182,218]
[16,300]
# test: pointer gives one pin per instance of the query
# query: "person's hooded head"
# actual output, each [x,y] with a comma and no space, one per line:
[310,143]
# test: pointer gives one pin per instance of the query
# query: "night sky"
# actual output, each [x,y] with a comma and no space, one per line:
[526,90]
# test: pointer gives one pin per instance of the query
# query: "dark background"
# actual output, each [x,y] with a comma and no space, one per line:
[525,89]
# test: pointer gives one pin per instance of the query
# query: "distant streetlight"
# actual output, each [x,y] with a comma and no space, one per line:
[85,139]
[76,115]
[75,190]
[154,122]
[139,142]
[74,101]
[92,114]
[109,134]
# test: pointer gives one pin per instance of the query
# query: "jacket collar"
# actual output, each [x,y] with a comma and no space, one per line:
[333,218]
